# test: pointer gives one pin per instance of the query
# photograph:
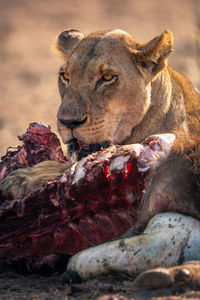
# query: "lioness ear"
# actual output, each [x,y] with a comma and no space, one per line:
[151,58]
[67,41]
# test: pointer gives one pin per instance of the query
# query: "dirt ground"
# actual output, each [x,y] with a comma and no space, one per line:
[28,93]
[34,287]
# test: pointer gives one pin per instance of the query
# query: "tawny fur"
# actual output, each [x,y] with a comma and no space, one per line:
[189,146]
[146,96]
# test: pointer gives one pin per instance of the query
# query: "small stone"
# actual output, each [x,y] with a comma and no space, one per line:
[17,288]
[70,277]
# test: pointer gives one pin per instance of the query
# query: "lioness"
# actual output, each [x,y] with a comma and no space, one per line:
[116,89]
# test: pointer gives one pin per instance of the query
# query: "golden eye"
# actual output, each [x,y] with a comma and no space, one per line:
[65,77]
[107,77]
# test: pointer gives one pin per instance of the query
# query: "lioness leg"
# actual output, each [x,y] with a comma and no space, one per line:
[21,181]
[187,275]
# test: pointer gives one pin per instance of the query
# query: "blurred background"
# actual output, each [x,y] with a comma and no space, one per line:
[29,66]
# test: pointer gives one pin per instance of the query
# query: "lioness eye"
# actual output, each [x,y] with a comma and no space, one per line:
[107,77]
[65,77]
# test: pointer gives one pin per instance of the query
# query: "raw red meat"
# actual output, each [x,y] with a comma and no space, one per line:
[39,144]
[94,201]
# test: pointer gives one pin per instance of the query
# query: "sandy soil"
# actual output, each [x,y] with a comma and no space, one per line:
[28,93]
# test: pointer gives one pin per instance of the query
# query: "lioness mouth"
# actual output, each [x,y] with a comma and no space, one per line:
[78,149]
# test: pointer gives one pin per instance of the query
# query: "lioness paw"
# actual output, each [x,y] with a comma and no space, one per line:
[187,275]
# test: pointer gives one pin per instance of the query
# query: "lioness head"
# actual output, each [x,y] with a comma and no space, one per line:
[105,83]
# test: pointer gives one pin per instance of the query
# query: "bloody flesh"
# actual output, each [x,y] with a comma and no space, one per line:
[88,205]
[39,144]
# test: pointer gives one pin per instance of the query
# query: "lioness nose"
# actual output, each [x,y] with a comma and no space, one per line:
[71,124]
